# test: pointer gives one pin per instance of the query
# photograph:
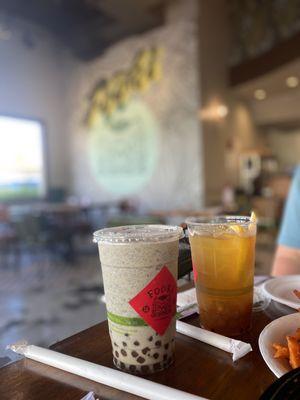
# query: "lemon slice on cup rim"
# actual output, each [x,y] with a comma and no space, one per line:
[241,229]
[253,217]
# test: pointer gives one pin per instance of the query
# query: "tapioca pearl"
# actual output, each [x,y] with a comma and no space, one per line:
[136,343]
[122,365]
[173,340]
[126,334]
[150,338]
[165,357]
[158,343]
[155,355]
[166,346]
[145,369]
[157,366]
[123,352]
[116,354]
[115,344]
[140,360]
[134,354]
[132,368]
[124,344]
[145,350]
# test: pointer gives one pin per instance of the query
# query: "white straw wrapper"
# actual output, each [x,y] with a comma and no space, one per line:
[236,347]
[89,396]
[106,376]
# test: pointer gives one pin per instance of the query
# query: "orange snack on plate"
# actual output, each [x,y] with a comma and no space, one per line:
[291,352]
[294,350]
[297,293]
[281,351]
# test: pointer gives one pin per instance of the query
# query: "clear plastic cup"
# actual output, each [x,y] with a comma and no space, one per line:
[140,266]
[223,253]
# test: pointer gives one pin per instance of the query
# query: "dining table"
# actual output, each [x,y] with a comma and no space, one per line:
[199,368]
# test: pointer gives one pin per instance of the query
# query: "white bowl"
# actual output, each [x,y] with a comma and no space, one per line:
[276,332]
[281,289]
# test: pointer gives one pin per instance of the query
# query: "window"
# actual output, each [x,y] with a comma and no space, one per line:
[22,166]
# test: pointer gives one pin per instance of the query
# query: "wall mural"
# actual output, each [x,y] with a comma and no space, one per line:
[170,105]
[110,94]
[123,133]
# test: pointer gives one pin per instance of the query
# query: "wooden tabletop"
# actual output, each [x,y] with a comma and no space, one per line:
[199,368]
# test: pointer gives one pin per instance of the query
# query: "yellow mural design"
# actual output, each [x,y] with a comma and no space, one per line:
[115,92]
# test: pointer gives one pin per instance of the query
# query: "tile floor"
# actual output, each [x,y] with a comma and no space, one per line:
[45,301]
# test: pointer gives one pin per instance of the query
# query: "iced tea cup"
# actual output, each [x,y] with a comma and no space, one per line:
[223,255]
[140,265]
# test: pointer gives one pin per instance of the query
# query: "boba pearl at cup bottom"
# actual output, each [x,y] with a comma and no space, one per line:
[142,351]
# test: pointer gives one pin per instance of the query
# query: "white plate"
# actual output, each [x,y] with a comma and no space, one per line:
[276,332]
[281,289]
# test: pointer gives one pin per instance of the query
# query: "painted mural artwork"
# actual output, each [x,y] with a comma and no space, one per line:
[123,148]
[123,132]
[110,94]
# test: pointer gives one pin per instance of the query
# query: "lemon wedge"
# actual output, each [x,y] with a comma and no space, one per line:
[237,229]
[253,217]
[253,222]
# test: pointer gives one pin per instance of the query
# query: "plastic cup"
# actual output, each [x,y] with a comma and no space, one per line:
[223,253]
[140,266]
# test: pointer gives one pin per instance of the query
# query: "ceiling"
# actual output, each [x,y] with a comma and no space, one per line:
[274,83]
[280,107]
[88,27]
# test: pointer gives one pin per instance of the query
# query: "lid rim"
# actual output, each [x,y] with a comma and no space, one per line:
[138,233]
[219,220]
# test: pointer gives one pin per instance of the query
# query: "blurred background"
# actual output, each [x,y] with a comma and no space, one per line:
[118,112]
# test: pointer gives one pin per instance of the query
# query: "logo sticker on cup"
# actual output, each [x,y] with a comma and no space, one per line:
[195,271]
[156,303]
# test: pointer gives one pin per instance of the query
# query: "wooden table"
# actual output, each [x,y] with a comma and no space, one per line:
[199,368]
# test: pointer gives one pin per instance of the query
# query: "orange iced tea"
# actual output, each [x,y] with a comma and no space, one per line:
[223,252]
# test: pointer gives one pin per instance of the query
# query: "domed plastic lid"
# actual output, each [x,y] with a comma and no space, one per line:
[138,233]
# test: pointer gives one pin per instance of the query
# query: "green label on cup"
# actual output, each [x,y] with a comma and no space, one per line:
[125,321]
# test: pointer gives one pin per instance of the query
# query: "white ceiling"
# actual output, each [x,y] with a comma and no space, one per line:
[282,104]
[273,82]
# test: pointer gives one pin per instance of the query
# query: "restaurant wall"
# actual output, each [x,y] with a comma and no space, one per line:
[241,136]
[214,48]
[225,137]
[32,78]
[285,145]
[157,158]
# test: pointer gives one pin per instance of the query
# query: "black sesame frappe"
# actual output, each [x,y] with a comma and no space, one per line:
[139,265]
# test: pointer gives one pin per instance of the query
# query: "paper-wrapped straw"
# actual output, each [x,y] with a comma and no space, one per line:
[236,347]
[106,376]
[89,396]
